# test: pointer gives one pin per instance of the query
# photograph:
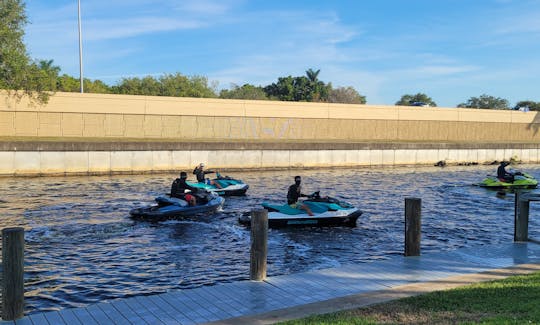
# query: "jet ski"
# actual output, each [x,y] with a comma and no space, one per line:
[328,211]
[521,180]
[229,186]
[168,207]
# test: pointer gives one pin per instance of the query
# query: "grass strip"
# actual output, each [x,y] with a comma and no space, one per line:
[514,300]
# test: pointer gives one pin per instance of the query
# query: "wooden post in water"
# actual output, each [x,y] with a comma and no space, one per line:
[413,216]
[259,244]
[13,273]
[521,218]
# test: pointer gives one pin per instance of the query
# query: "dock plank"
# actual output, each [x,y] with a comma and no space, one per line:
[224,308]
[112,313]
[192,310]
[53,317]
[84,316]
[194,300]
[69,316]
[142,311]
[20,321]
[229,300]
[225,300]
[126,311]
[99,315]
[177,314]
[38,319]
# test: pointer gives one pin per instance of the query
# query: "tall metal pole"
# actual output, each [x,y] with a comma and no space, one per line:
[80,47]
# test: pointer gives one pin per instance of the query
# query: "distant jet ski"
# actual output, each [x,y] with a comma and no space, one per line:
[521,180]
[229,186]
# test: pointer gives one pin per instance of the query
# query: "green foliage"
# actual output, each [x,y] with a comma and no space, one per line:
[301,89]
[416,100]
[486,102]
[345,95]
[175,85]
[247,91]
[68,83]
[18,74]
[48,74]
[528,104]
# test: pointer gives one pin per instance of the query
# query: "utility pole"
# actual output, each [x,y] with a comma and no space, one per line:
[80,47]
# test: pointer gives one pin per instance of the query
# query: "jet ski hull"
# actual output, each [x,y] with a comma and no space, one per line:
[162,212]
[326,212]
[519,182]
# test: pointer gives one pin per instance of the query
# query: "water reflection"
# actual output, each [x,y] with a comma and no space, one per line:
[82,247]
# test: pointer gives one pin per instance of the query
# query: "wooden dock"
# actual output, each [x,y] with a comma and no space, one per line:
[228,301]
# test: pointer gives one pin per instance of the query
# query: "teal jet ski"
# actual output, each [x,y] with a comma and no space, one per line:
[521,180]
[229,186]
[327,211]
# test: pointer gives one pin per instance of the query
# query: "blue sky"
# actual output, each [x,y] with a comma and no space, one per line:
[449,49]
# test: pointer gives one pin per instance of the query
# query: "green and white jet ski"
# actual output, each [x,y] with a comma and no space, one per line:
[521,180]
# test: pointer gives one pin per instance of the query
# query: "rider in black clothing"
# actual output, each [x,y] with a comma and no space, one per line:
[179,186]
[295,191]
[503,175]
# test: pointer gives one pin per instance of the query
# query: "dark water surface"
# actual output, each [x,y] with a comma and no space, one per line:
[82,247]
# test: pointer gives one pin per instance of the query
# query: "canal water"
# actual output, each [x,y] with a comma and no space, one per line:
[82,247]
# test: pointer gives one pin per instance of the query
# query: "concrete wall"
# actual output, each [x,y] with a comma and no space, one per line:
[13,163]
[94,133]
[73,115]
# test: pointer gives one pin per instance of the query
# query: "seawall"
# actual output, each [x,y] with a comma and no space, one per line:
[96,133]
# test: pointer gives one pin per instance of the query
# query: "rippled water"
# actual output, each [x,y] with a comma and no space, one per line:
[82,247]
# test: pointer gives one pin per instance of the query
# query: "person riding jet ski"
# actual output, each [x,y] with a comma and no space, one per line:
[179,186]
[503,175]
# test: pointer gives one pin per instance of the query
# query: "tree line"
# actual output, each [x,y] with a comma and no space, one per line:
[306,88]
[20,75]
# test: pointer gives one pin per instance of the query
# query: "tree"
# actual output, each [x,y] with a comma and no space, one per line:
[301,89]
[48,73]
[486,102]
[247,91]
[18,74]
[178,85]
[528,105]
[346,95]
[416,100]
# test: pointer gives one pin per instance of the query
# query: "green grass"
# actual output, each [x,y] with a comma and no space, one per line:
[515,300]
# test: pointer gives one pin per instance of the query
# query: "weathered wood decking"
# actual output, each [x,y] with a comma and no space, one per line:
[225,301]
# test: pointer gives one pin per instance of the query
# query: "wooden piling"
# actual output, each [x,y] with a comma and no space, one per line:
[413,215]
[259,244]
[13,273]
[521,219]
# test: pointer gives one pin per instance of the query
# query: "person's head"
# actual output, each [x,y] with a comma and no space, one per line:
[505,163]
[183,175]
[297,180]
[201,165]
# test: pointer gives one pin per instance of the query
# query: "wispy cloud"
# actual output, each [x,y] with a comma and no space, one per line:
[96,30]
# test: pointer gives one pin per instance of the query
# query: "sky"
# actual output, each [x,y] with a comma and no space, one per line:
[451,50]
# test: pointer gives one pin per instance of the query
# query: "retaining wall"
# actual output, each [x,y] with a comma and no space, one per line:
[96,133]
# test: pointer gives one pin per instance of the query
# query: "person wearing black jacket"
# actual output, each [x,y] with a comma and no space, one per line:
[295,192]
[179,187]
[200,173]
[503,175]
